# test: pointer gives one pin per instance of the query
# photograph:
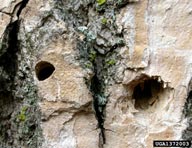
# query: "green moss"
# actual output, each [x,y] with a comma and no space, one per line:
[88,65]
[92,56]
[22,115]
[104,21]
[24,109]
[111,62]
[101,2]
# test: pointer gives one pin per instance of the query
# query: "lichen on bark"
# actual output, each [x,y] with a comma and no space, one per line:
[19,113]
[96,22]
[187,112]
[108,47]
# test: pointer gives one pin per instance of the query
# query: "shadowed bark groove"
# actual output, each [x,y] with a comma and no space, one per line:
[19,114]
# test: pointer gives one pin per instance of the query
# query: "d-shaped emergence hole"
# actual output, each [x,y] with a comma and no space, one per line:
[44,70]
[146,93]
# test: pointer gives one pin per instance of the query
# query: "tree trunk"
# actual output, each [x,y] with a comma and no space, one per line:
[95,73]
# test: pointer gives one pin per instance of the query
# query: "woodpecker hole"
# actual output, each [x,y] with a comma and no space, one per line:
[44,70]
[146,93]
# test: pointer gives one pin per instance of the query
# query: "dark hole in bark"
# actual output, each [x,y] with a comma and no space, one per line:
[146,93]
[44,70]
[33,127]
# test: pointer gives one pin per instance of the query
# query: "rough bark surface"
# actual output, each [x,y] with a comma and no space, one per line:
[95,73]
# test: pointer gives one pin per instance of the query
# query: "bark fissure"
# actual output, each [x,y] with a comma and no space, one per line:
[19,121]
[187,133]
[96,88]
[97,52]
